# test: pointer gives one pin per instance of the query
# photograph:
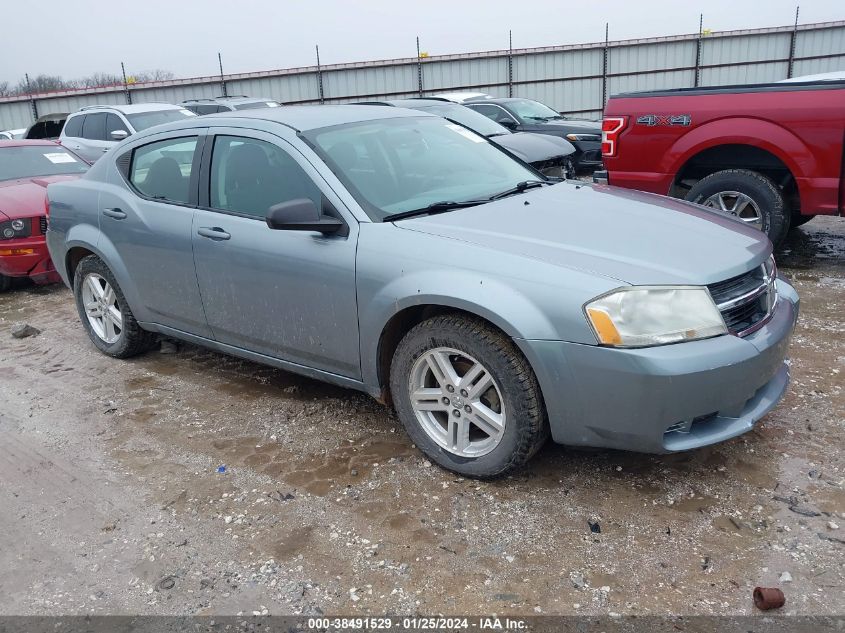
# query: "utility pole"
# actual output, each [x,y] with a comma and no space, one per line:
[222,81]
[510,63]
[792,45]
[605,65]
[419,69]
[125,84]
[320,76]
[32,103]
[698,50]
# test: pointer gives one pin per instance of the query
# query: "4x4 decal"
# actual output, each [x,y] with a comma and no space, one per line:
[653,120]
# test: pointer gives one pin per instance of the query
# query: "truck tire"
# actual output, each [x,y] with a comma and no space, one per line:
[104,313]
[5,283]
[467,396]
[748,196]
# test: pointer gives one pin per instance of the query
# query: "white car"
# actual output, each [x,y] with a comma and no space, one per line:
[94,130]
[834,76]
[460,97]
[9,135]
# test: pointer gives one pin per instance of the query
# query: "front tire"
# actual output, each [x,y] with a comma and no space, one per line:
[5,283]
[467,397]
[747,196]
[104,312]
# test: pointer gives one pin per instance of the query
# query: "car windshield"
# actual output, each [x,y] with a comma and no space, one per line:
[527,109]
[143,120]
[467,117]
[398,165]
[256,104]
[38,160]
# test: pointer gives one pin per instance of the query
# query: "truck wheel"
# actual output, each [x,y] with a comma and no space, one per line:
[467,397]
[799,220]
[104,312]
[746,195]
[5,283]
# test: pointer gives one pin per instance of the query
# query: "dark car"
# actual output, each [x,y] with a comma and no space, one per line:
[47,127]
[227,104]
[525,115]
[549,155]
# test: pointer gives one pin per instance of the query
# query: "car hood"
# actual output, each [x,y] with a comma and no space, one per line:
[25,197]
[575,126]
[633,237]
[533,148]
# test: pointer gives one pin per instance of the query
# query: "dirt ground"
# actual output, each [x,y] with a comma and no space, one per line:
[111,500]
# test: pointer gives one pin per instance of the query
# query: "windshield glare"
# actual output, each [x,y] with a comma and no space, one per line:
[38,160]
[402,164]
[467,117]
[527,109]
[143,120]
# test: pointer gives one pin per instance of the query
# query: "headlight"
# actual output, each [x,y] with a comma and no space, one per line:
[15,228]
[640,316]
[583,137]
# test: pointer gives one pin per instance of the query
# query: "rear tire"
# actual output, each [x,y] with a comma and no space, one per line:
[104,312]
[486,417]
[5,283]
[746,195]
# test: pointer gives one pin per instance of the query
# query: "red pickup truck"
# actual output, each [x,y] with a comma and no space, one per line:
[768,154]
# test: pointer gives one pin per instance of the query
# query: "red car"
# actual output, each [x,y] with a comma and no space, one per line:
[26,168]
[770,155]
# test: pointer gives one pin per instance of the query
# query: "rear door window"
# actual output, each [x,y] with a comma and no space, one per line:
[94,127]
[73,127]
[162,170]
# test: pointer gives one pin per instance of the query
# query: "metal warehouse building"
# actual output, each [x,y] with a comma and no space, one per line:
[574,79]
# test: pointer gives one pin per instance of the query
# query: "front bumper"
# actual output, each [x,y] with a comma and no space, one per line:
[27,257]
[665,399]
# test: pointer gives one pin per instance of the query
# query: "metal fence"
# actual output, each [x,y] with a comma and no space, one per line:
[574,79]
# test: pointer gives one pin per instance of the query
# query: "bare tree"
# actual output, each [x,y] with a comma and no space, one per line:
[5,89]
[98,80]
[42,83]
[152,75]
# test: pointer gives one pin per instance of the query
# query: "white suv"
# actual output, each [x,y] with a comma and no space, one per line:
[95,129]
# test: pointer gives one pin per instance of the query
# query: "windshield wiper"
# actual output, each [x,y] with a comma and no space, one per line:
[519,188]
[434,207]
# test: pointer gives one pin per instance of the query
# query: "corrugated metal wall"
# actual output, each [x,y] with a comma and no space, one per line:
[571,79]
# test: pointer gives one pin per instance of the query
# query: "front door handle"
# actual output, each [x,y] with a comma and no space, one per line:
[213,233]
[115,213]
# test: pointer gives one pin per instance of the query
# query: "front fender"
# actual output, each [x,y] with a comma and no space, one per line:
[510,311]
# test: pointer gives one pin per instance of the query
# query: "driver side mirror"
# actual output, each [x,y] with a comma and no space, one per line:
[119,135]
[301,215]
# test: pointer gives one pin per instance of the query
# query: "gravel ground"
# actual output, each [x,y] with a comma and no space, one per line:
[112,501]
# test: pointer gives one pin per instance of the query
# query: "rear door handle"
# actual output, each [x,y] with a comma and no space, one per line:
[115,213]
[213,232]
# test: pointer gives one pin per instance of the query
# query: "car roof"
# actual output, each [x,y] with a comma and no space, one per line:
[232,99]
[21,142]
[131,108]
[495,100]
[420,103]
[303,118]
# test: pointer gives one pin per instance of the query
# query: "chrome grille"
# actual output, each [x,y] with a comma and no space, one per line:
[746,301]
[42,224]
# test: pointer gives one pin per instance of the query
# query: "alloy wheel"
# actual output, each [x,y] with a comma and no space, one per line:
[457,402]
[101,308]
[738,205]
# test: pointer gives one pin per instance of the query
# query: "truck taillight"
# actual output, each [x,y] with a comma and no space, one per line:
[611,127]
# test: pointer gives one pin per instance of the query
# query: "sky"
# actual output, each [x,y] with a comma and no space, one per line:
[184,36]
